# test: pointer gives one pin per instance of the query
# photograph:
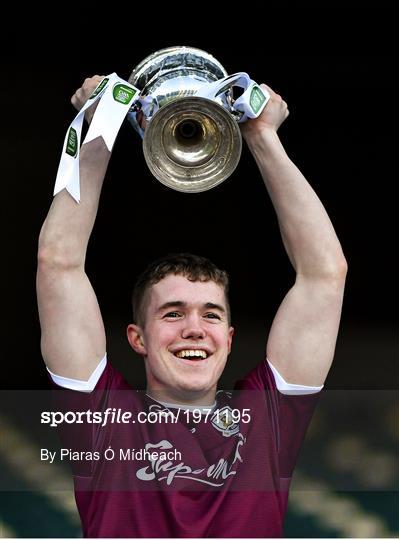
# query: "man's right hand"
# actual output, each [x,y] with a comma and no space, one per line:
[83,93]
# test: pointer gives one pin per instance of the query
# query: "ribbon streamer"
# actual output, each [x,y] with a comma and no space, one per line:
[249,105]
[117,96]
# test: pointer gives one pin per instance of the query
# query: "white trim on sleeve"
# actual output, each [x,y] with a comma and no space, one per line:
[81,386]
[292,389]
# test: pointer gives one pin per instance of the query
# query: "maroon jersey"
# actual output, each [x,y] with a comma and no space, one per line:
[226,475]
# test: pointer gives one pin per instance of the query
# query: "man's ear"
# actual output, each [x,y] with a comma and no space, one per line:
[136,339]
[230,339]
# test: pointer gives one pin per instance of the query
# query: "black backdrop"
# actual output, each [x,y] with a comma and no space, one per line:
[336,68]
[339,82]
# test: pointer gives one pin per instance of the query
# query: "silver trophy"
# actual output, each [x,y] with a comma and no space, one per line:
[190,143]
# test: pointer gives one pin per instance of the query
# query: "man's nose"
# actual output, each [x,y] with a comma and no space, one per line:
[193,328]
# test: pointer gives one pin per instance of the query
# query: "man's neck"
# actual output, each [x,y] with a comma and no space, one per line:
[203,409]
[184,399]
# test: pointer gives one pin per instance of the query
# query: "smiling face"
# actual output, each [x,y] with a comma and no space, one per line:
[185,341]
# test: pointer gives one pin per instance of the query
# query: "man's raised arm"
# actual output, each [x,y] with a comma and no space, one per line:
[73,336]
[302,339]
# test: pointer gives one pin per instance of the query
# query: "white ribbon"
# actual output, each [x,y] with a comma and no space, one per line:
[249,105]
[117,96]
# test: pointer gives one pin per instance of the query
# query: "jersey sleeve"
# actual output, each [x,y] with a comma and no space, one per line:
[289,410]
[72,398]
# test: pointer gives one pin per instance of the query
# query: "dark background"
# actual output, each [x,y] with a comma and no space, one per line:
[336,68]
[340,83]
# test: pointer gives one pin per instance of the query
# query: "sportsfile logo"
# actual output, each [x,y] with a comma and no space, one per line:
[109,416]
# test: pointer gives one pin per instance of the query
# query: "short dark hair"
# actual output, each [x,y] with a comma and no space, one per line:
[193,267]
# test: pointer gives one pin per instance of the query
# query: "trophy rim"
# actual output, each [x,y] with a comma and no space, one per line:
[139,70]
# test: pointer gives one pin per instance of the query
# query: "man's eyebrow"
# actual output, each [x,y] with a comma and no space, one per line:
[211,305]
[172,303]
[181,304]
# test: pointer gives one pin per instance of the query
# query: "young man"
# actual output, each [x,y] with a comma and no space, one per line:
[233,455]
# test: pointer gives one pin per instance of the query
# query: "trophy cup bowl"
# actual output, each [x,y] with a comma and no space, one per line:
[190,144]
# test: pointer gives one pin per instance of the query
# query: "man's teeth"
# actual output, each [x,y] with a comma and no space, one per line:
[198,353]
